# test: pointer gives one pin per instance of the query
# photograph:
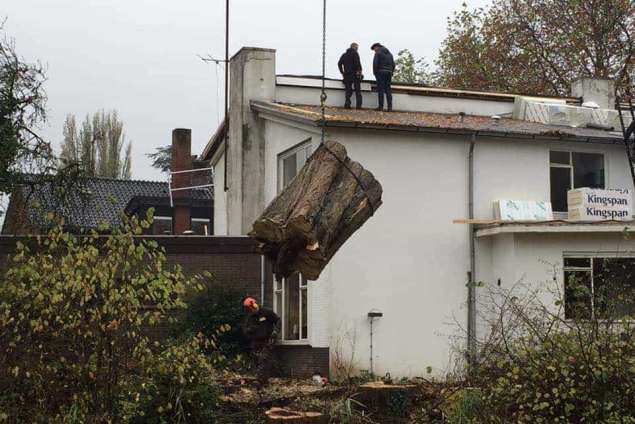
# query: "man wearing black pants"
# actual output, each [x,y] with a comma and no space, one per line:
[351,68]
[383,68]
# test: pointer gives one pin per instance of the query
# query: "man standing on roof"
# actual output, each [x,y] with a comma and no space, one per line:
[261,326]
[351,69]
[383,68]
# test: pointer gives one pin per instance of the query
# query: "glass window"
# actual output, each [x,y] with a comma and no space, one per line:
[601,288]
[569,170]
[563,158]
[291,304]
[200,226]
[560,185]
[162,225]
[292,161]
[588,170]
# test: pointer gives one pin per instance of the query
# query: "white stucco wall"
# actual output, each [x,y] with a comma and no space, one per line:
[409,260]
[220,197]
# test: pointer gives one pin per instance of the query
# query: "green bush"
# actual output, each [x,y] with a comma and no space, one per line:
[73,310]
[217,313]
[538,367]
[179,385]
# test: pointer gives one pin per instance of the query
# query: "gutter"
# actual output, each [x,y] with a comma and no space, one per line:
[471,280]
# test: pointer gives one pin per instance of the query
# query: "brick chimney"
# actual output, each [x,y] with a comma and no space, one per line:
[181,161]
[598,90]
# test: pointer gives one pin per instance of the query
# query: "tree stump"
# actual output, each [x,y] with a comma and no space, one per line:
[282,415]
[327,201]
[390,399]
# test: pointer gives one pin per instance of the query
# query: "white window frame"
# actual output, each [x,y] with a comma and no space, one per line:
[565,214]
[280,287]
[303,145]
[591,256]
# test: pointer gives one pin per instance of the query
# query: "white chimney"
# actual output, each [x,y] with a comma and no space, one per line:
[252,77]
[598,90]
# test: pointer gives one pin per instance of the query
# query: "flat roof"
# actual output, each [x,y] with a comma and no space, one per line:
[433,123]
[555,226]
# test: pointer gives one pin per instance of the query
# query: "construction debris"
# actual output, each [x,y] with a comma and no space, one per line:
[328,200]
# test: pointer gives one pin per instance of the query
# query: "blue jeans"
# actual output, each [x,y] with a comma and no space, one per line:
[384,80]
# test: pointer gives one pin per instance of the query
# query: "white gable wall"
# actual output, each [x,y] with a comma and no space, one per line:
[409,260]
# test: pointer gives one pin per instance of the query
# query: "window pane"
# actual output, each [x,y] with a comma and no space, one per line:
[577,262]
[563,158]
[577,294]
[292,308]
[198,227]
[588,170]
[289,169]
[305,314]
[560,185]
[614,287]
[161,226]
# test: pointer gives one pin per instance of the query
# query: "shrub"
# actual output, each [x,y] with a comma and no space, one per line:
[72,314]
[179,385]
[217,313]
[538,367]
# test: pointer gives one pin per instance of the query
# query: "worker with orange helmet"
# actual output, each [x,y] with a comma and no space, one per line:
[260,327]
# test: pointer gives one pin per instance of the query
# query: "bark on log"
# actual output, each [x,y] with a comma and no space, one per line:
[330,198]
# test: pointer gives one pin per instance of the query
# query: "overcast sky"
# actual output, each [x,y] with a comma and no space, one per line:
[140,57]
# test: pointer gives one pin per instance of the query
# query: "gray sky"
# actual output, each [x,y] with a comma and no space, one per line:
[140,56]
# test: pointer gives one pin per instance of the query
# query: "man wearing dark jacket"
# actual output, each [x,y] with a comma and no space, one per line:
[261,326]
[383,68]
[351,69]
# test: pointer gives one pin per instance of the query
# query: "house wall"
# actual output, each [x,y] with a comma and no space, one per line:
[535,261]
[410,261]
[220,197]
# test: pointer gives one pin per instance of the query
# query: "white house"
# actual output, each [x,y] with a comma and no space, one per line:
[445,154]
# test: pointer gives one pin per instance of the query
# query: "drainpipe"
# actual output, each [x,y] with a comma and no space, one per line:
[471,294]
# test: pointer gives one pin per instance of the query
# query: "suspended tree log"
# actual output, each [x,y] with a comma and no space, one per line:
[328,200]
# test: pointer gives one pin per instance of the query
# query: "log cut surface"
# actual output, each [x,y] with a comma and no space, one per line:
[329,199]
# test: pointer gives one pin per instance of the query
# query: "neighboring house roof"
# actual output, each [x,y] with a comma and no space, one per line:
[95,201]
[433,122]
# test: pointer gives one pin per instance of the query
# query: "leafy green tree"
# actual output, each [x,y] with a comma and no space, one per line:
[74,315]
[539,46]
[411,70]
[98,146]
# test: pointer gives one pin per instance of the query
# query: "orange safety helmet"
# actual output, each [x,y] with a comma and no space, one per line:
[250,303]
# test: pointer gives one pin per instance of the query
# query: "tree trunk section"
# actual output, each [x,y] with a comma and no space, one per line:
[326,203]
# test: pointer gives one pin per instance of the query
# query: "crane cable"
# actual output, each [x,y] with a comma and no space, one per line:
[323,95]
[323,98]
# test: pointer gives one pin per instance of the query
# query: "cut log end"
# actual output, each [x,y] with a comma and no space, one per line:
[330,198]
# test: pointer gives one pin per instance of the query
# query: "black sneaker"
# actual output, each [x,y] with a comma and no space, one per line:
[347,106]
[379,109]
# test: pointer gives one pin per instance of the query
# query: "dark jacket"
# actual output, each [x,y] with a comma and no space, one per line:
[349,63]
[383,61]
[260,326]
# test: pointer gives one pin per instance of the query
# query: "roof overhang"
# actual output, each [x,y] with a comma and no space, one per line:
[308,117]
[555,227]
[215,142]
